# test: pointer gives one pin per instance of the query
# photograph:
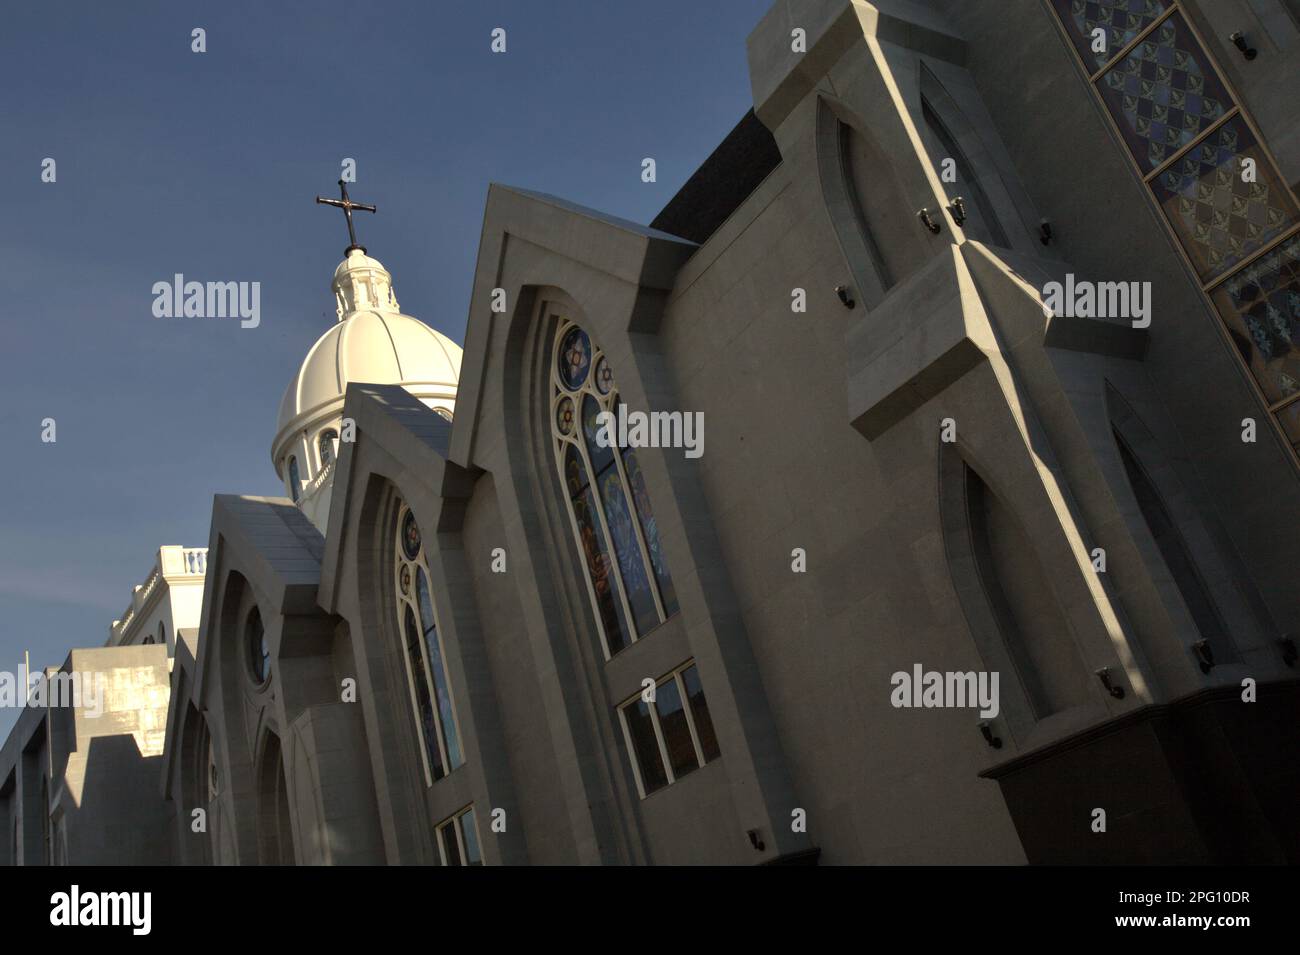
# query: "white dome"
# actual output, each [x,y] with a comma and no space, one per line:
[374,343]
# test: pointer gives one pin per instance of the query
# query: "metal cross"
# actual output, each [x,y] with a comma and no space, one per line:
[347,205]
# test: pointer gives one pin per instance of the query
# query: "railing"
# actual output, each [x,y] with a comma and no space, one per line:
[312,486]
[193,563]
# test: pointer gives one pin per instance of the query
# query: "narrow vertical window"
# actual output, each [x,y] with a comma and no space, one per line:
[613,522]
[295,482]
[426,672]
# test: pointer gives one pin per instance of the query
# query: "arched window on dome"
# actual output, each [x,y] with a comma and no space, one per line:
[631,591]
[422,651]
[326,443]
[295,483]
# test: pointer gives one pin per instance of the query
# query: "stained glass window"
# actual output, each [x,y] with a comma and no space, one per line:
[1261,306]
[1220,217]
[613,522]
[1122,21]
[426,669]
[636,582]
[1220,192]
[1163,94]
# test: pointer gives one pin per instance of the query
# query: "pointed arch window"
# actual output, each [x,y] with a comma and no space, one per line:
[613,522]
[422,651]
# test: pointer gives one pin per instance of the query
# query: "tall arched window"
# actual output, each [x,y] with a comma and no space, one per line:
[295,483]
[631,591]
[426,669]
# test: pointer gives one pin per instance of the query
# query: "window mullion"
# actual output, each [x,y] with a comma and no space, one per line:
[639,533]
[690,717]
[1250,260]
[1209,130]
[663,745]
[1132,44]
[631,751]
[592,482]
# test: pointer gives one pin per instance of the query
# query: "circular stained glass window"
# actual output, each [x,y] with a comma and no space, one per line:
[564,416]
[410,536]
[604,376]
[259,652]
[405,579]
[575,358]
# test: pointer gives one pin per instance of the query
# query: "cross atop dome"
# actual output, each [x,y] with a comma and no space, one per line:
[347,205]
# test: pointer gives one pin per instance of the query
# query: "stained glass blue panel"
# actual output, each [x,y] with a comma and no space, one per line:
[601,457]
[423,705]
[650,530]
[1122,20]
[1163,94]
[636,582]
[1261,307]
[441,685]
[595,552]
[1220,218]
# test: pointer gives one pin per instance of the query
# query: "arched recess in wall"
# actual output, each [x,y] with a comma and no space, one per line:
[876,227]
[953,137]
[199,776]
[274,820]
[1007,597]
[1170,516]
[232,750]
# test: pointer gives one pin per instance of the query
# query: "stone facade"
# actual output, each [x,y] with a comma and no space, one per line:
[975,483]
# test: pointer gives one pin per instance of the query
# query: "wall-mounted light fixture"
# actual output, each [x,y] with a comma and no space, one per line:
[1239,41]
[846,297]
[957,208]
[1113,689]
[1204,655]
[924,216]
[1044,231]
[1289,654]
[986,730]
[755,841]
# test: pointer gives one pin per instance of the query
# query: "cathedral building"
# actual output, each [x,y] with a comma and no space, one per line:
[970,358]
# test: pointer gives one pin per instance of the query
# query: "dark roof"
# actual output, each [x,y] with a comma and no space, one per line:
[722,183]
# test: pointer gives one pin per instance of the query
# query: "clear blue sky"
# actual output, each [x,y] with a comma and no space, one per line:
[207,164]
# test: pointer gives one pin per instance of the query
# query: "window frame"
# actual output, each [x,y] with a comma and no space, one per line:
[455,823]
[673,676]
[412,601]
[560,442]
